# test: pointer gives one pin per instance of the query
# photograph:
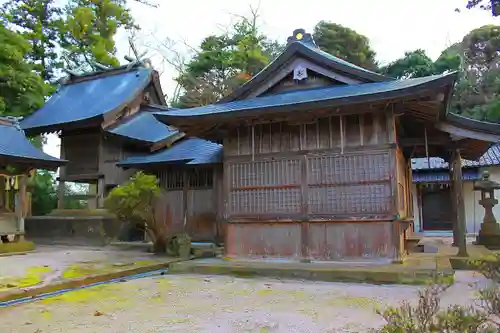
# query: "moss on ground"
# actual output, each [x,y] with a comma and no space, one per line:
[81,212]
[16,247]
[33,277]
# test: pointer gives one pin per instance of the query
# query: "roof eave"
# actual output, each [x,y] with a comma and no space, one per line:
[79,124]
[166,118]
[33,163]
[152,164]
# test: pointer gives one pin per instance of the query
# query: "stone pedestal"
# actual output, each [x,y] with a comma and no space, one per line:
[489,234]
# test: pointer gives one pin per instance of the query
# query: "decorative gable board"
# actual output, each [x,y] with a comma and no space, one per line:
[316,76]
[303,53]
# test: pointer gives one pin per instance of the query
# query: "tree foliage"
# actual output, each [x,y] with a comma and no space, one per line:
[476,58]
[477,93]
[21,89]
[39,22]
[345,43]
[490,5]
[90,27]
[417,64]
[225,61]
[44,200]
[134,202]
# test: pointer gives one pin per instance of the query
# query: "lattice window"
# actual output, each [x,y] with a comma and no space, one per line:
[200,178]
[345,184]
[174,179]
[265,187]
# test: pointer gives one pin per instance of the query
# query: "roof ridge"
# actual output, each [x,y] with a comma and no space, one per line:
[89,76]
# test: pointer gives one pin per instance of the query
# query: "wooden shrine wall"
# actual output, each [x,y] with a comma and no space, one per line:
[323,190]
[190,201]
[110,154]
[81,150]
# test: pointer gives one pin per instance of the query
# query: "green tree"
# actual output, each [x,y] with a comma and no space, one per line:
[21,89]
[345,43]
[43,193]
[39,22]
[417,64]
[90,27]
[224,62]
[134,202]
[477,93]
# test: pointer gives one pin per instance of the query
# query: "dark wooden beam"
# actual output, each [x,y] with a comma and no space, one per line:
[460,205]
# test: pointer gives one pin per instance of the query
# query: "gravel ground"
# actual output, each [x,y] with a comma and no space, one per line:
[193,303]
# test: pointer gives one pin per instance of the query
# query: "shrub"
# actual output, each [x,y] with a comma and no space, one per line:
[134,202]
[428,317]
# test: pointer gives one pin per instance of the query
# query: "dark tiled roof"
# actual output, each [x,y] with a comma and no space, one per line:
[491,157]
[144,127]
[443,176]
[188,151]
[88,99]
[341,94]
[16,147]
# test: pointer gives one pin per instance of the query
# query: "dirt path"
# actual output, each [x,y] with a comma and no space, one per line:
[218,304]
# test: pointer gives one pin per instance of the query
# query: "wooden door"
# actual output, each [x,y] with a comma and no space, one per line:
[436,208]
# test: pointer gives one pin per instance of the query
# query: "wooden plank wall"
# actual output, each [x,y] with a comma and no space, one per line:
[111,153]
[342,165]
[189,202]
[82,153]
[323,190]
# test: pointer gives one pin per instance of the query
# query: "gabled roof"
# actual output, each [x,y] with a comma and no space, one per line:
[309,51]
[489,158]
[16,149]
[191,151]
[316,98]
[144,127]
[88,98]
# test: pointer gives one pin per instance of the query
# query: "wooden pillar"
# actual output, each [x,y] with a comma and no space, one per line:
[62,173]
[185,190]
[304,223]
[460,205]
[454,213]
[60,194]
[100,192]
[23,207]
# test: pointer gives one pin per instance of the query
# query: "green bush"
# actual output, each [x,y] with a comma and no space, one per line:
[428,317]
[135,201]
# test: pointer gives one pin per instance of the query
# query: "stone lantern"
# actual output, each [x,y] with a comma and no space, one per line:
[489,234]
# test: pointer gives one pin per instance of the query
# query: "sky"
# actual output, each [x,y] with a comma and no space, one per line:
[392,26]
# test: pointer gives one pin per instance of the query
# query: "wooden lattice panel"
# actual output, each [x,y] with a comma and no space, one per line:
[264,187]
[347,184]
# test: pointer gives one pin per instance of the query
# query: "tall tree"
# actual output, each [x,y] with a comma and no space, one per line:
[478,92]
[39,22]
[417,64]
[21,89]
[345,43]
[90,28]
[223,62]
